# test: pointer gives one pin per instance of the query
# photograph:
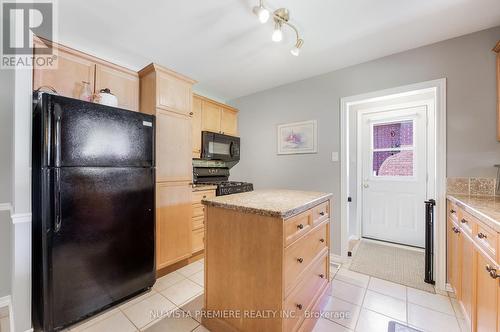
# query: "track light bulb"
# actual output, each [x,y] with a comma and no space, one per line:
[298,45]
[277,33]
[262,13]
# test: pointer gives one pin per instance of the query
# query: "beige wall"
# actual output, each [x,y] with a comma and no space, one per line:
[469,66]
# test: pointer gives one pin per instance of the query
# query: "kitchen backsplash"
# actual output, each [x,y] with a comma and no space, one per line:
[472,186]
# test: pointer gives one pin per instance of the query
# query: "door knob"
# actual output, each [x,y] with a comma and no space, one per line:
[366,185]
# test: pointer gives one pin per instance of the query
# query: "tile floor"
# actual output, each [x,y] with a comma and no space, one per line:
[357,303]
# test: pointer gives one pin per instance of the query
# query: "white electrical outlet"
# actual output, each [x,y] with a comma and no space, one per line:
[335,156]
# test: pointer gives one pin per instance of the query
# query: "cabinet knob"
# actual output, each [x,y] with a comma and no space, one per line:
[322,213]
[492,271]
[321,275]
[300,260]
[204,196]
[488,267]
[482,236]
[299,306]
[464,221]
[300,226]
[322,240]
[455,230]
[453,211]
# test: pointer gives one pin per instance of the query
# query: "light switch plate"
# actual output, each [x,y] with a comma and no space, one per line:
[335,156]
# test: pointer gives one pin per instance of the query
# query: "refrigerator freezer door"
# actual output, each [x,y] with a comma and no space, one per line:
[103,249]
[89,134]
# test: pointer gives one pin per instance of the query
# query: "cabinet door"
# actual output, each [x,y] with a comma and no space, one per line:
[173,94]
[453,256]
[465,294]
[72,69]
[210,117]
[173,147]
[196,127]
[487,290]
[229,122]
[173,222]
[124,85]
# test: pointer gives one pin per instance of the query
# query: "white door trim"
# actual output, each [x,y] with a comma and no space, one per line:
[438,89]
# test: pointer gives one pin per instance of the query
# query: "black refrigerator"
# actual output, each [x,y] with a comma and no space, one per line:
[93,204]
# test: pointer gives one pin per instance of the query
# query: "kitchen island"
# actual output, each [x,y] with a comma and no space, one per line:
[266,260]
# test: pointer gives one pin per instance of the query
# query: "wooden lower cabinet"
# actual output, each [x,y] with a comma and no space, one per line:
[173,222]
[470,264]
[251,268]
[466,274]
[198,219]
[487,289]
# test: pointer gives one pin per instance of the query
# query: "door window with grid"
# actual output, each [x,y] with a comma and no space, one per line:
[393,150]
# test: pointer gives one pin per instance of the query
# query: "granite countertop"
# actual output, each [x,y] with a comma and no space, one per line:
[484,208]
[272,203]
[201,187]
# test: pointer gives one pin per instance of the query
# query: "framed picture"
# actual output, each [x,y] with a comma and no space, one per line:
[298,137]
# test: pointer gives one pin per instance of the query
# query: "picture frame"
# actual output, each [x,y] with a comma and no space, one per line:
[297,138]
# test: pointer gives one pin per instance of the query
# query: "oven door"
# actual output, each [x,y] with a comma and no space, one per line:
[220,147]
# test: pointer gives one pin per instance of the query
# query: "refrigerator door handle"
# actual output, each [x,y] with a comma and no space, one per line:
[57,201]
[57,135]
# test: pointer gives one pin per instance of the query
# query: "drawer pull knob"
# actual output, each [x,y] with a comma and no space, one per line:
[453,211]
[299,306]
[300,260]
[322,213]
[488,267]
[204,196]
[464,221]
[493,274]
[482,236]
[321,275]
[191,113]
[455,230]
[300,226]
[322,240]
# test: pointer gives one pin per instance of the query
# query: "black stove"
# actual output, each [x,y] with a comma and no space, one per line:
[219,176]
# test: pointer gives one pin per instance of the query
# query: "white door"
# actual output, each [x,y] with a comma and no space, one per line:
[394,170]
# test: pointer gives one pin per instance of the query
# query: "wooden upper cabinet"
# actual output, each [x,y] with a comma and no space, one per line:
[123,84]
[174,94]
[72,68]
[173,147]
[196,126]
[487,289]
[173,222]
[211,116]
[229,122]
[218,118]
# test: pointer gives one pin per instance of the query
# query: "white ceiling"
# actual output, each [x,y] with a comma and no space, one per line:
[222,45]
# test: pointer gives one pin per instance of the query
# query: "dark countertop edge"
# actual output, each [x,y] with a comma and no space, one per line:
[474,211]
[269,213]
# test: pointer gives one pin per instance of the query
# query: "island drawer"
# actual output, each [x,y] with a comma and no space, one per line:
[300,255]
[297,226]
[303,296]
[487,239]
[197,239]
[321,212]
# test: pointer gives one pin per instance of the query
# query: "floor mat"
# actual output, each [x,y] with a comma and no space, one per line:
[402,266]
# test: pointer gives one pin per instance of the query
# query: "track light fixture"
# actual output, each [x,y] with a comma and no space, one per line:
[281,17]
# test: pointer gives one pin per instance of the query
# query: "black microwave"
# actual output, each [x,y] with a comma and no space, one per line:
[220,147]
